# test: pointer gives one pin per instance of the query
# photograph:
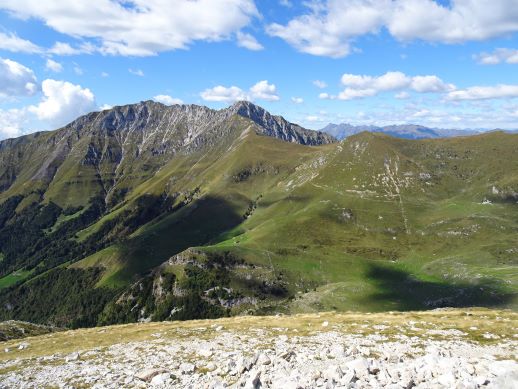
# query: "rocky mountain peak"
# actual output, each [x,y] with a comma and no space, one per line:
[183,124]
[278,127]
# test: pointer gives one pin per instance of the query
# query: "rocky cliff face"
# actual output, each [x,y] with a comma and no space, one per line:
[278,127]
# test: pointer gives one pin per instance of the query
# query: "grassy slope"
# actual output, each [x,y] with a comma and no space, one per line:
[372,223]
[358,225]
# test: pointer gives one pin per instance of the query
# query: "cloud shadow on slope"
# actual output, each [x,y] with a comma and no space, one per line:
[201,223]
[402,291]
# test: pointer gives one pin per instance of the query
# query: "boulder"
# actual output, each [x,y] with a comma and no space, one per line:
[160,379]
[148,374]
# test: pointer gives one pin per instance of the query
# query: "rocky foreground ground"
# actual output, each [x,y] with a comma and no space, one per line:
[440,349]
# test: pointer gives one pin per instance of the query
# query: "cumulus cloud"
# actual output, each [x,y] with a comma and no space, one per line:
[463,20]
[430,84]
[248,41]
[167,100]
[320,84]
[16,79]
[11,42]
[264,91]
[498,56]
[260,91]
[297,100]
[329,27]
[359,86]
[53,66]
[11,122]
[484,92]
[223,94]
[139,27]
[325,96]
[62,102]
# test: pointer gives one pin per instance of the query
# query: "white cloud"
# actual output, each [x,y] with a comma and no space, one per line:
[248,41]
[463,20]
[358,86]
[484,92]
[498,56]
[223,94]
[167,100]
[105,107]
[62,102]
[329,27]
[385,82]
[11,122]
[136,72]
[443,116]
[260,91]
[297,100]
[430,84]
[62,48]
[286,3]
[264,91]
[320,84]
[53,66]
[139,27]
[12,42]
[16,79]
[104,74]
[325,96]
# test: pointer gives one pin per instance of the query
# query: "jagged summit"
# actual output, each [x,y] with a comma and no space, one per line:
[187,122]
[278,127]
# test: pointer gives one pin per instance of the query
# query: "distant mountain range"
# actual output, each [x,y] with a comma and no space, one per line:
[405,131]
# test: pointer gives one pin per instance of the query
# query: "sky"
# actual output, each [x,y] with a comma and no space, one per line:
[439,63]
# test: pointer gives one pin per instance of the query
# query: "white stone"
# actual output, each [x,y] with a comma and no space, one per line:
[446,379]
[187,367]
[160,379]
[72,357]
[360,367]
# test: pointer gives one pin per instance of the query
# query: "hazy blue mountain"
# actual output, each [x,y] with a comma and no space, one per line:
[406,131]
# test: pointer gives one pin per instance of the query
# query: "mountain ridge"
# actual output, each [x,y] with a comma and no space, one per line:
[405,131]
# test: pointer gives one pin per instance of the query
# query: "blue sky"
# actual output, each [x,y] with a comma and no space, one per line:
[447,64]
